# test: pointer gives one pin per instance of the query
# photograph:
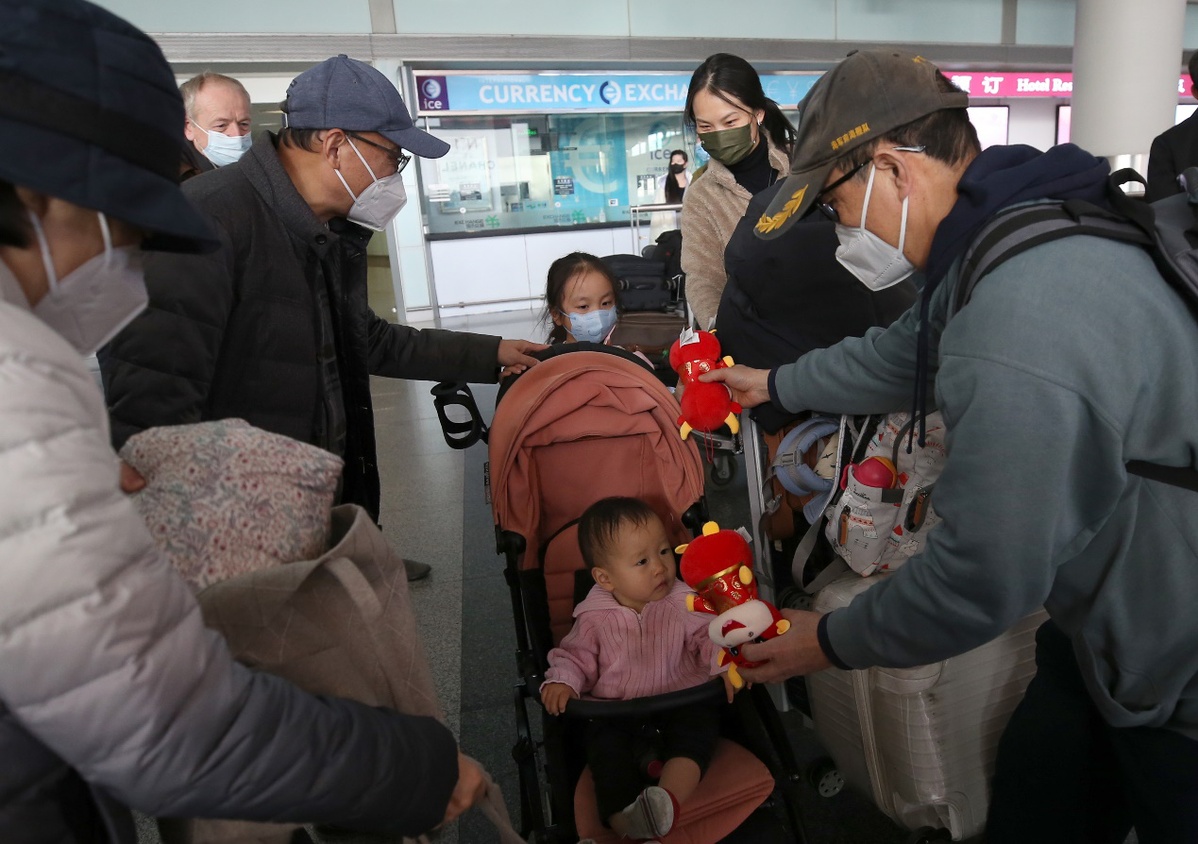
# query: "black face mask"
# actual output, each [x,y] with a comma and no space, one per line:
[677,168]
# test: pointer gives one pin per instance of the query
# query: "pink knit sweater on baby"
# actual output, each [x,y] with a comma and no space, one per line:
[615,653]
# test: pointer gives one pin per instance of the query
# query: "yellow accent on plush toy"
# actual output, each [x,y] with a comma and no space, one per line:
[679,549]
[733,423]
[738,682]
[746,575]
[685,430]
[728,360]
[709,528]
[690,601]
[782,626]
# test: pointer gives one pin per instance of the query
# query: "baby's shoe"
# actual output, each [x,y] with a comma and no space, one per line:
[651,815]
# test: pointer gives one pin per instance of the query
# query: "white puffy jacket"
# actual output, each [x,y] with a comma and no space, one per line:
[111,689]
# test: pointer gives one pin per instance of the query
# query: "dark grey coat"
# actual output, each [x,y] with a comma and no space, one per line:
[235,333]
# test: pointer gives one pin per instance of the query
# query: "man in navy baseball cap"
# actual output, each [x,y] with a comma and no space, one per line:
[350,94]
[276,328]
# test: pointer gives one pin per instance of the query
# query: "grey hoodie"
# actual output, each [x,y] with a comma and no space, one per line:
[1070,360]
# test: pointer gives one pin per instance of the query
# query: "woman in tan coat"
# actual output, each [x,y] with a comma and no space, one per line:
[749,141]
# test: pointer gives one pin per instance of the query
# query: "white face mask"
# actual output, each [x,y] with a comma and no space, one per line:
[88,306]
[380,202]
[224,149]
[874,262]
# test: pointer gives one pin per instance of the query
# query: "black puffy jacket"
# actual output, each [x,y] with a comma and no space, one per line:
[235,333]
[789,295]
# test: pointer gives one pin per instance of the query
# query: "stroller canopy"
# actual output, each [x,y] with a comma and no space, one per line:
[582,426]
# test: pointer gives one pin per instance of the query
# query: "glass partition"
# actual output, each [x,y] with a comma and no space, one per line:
[531,172]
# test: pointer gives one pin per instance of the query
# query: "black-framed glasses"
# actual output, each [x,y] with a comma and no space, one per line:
[400,158]
[830,212]
[826,209]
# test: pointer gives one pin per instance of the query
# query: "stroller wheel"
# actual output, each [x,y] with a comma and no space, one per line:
[823,774]
[723,469]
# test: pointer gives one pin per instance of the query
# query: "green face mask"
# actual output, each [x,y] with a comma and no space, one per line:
[728,146]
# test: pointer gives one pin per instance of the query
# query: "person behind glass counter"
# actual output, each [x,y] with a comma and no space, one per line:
[670,189]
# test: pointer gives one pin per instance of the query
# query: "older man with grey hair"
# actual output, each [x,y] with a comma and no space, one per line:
[217,125]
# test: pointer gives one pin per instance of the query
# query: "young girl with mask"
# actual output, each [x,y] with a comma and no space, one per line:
[749,142]
[580,299]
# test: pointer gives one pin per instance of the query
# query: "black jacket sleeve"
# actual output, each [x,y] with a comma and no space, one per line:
[399,351]
[1162,173]
[158,371]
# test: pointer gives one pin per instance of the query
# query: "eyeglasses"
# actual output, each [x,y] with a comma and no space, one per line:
[399,157]
[826,209]
[830,212]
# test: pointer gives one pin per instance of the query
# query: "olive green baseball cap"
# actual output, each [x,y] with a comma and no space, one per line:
[870,93]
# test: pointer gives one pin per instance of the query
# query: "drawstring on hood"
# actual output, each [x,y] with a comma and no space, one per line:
[998,178]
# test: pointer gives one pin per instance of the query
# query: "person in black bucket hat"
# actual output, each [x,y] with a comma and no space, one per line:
[276,328]
[1066,383]
[112,692]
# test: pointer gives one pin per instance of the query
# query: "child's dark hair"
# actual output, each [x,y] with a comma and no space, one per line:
[601,522]
[561,273]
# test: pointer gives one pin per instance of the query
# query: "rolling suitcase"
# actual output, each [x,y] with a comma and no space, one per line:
[922,741]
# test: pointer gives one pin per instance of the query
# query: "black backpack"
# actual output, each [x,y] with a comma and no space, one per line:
[1167,228]
[668,250]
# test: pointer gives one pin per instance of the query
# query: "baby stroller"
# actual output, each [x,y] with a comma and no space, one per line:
[601,408]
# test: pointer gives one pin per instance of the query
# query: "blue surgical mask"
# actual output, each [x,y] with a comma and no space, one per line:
[592,326]
[223,149]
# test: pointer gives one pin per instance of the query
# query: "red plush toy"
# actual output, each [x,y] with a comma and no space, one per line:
[719,566]
[705,407]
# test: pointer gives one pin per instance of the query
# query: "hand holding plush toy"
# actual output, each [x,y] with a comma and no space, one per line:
[719,566]
[705,407]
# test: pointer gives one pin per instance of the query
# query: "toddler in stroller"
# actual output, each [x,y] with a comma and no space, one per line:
[587,423]
[634,636]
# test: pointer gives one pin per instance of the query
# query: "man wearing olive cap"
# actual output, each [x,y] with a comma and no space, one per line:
[1070,360]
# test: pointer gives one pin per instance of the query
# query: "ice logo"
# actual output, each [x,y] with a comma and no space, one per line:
[431,88]
[609,92]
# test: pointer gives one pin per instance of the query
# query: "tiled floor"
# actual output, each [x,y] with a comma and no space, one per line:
[424,490]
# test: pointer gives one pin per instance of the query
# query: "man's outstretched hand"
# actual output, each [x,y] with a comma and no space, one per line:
[796,652]
[750,387]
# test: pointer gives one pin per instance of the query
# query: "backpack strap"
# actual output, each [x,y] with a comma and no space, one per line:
[1182,476]
[1016,230]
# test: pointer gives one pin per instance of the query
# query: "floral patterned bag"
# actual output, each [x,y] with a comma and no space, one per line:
[224,498]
